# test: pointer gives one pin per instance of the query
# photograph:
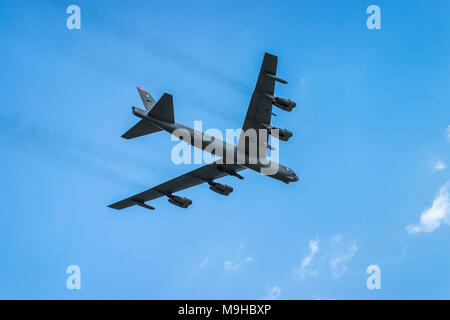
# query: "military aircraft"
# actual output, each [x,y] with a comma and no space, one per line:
[158,116]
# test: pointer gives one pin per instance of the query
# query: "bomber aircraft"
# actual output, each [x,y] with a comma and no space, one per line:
[250,152]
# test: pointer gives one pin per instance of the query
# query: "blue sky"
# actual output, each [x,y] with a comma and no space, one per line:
[370,147]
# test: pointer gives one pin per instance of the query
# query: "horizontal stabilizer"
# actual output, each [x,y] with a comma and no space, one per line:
[142,128]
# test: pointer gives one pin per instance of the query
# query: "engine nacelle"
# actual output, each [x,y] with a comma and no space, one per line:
[222,189]
[282,103]
[283,134]
[180,201]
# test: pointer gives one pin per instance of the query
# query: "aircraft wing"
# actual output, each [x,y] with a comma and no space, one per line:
[260,109]
[208,172]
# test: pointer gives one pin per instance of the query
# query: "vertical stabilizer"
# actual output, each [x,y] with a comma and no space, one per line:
[146,98]
[163,109]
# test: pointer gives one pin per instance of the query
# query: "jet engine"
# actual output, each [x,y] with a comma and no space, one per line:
[222,189]
[283,134]
[282,103]
[181,202]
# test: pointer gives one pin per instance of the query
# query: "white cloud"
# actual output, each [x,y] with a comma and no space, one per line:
[231,266]
[447,132]
[273,293]
[432,218]
[204,263]
[337,238]
[339,259]
[334,255]
[303,269]
[439,165]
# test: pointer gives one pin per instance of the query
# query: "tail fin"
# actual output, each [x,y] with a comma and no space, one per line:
[163,109]
[142,128]
[146,98]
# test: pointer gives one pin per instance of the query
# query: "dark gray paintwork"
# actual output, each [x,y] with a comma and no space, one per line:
[159,116]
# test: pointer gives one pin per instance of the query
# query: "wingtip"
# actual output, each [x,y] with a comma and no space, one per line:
[270,55]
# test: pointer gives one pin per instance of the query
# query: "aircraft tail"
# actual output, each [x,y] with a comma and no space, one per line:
[140,129]
[146,98]
[161,110]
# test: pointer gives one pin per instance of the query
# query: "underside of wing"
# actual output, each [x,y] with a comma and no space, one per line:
[141,128]
[260,108]
[207,173]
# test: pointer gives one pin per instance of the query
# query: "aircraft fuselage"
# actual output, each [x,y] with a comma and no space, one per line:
[229,153]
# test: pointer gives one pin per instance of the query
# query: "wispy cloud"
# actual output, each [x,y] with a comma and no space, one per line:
[340,258]
[273,293]
[337,238]
[158,47]
[95,159]
[231,266]
[432,218]
[439,165]
[303,269]
[204,263]
[447,132]
[334,254]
